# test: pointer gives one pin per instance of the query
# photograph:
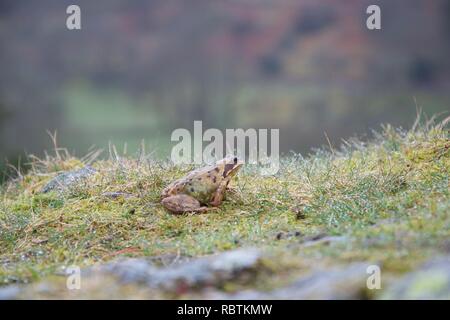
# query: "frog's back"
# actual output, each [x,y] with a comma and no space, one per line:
[201,183]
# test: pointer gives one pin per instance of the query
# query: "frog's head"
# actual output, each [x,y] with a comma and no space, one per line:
[229,166]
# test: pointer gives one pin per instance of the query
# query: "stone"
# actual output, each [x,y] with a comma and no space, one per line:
[68,179]
[327,284]
[118,194]
[132,270]
[325,240]
[167,260]
[286,235]
[430,281]
[205,271]
[9,292]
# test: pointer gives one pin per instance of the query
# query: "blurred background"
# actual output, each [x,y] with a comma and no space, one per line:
[139,69]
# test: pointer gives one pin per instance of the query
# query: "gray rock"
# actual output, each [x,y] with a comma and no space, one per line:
[431,281]
[336,283]
[325,240]
[9,293]
[313,237]
[286,235]
[167,260]
[326,284]
[118,194]
[68,179]
[133,270]
[211,270]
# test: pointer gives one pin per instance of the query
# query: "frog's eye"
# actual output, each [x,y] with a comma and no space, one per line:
[235,160]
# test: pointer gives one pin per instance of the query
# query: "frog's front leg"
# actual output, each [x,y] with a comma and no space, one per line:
[219,195]
[182,203]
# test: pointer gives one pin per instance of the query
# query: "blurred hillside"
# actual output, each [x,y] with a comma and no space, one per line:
[139,69]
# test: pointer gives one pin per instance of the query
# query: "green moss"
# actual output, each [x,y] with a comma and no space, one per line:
[389,197]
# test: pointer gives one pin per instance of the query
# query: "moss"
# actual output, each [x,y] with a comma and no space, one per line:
[389,197]
[426,283]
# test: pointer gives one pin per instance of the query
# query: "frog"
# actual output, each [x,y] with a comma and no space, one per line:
[201,187]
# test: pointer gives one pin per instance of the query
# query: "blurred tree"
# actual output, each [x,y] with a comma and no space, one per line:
[313,19]
[422,71]
[306,66]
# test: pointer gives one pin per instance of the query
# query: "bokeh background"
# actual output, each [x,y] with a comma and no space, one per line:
[139,69]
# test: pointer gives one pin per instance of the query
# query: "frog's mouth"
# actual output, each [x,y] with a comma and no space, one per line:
[232,168]
[236,168]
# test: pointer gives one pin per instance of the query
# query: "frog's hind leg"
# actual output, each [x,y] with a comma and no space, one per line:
[182,203]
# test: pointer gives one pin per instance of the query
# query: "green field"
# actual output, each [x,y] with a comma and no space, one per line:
[387,198]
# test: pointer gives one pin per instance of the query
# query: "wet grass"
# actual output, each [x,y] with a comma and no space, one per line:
[388,198]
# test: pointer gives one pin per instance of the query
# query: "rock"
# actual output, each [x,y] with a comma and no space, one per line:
[141,278]
[431,281]
[286,235]
[207,271]
[167,260]
[327,284]
[314,237]
[68,179]
[336,283]
[133,270]
[325,240]
[115,195]
[9,293]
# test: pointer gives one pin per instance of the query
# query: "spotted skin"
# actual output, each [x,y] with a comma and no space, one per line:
[201,187]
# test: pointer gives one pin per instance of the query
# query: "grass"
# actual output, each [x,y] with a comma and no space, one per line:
[388,197]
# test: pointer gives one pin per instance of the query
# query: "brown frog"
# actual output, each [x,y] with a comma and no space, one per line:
[201,187]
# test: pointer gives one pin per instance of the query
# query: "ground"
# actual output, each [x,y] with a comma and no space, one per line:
[384,202]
